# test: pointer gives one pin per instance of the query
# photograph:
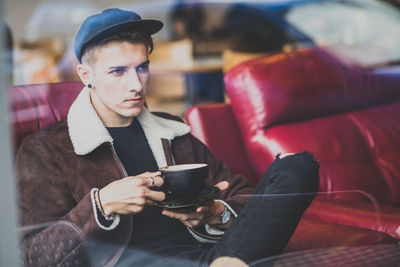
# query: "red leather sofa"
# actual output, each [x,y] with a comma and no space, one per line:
[33,107]
[37,106]
[349,117]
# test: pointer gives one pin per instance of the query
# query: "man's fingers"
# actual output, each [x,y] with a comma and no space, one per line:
[155,195]
[148,179]
[181,216]
[222,185]
[203,209]
[172,214]
[157,173]
[191,223]
[152,180]
[150,202]
[188,219]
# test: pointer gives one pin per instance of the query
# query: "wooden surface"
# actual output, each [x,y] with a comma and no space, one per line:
[198,65]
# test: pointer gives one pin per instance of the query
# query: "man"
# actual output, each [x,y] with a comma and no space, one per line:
[96,173]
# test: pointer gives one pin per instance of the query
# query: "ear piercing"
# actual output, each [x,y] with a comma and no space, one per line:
[89,85]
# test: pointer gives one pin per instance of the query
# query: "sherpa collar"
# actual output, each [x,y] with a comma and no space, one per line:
[87,131]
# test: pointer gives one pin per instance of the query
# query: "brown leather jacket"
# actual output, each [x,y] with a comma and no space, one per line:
[58,167]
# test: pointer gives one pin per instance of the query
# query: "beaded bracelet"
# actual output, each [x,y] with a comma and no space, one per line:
[100,206]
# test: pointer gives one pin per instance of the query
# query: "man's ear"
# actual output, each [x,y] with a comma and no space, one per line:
[84,73]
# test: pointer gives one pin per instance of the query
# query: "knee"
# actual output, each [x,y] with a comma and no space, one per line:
[305,170]
[300,170]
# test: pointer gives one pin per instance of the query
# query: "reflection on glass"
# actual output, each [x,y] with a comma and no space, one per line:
[341,227]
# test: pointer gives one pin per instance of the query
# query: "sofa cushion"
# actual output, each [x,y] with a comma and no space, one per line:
[216,127]
[356,151]
[367,215]
[302,85]
[309,232]
[340,246]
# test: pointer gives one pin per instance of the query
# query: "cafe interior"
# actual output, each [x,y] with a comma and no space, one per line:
[253,79]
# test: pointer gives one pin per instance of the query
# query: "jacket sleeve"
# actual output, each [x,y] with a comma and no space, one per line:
[44,194]
[45,198]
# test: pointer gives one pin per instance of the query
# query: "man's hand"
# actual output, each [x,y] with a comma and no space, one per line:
[209,213]
[131,194]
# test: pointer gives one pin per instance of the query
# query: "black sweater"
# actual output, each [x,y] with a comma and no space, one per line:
[151,229]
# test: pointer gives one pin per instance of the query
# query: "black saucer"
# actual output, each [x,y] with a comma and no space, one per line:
[209,193]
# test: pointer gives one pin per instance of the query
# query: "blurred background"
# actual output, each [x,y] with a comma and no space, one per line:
[203,39]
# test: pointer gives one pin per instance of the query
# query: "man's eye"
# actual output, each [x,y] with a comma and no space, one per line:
[118,71]
[143,68]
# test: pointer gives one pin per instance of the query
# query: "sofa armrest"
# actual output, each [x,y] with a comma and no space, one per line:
[215,125]
[325,244]
[357,214]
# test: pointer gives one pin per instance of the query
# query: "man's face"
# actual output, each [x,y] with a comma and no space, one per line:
[119,76]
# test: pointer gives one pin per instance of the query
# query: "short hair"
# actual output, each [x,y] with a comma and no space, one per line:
[131,37]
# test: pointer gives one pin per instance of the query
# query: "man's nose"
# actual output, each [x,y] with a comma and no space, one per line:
[134,82]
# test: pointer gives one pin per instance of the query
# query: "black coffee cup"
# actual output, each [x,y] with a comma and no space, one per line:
[184,180]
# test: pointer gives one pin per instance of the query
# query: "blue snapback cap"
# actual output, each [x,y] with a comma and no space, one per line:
[111,21]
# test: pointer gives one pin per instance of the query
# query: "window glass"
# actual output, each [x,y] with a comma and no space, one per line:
[367,31]
[260,83]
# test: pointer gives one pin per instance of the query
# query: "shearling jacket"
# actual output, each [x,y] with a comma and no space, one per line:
[57,169]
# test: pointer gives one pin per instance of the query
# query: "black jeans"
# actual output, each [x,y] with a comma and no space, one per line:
[273,212]
[264,226]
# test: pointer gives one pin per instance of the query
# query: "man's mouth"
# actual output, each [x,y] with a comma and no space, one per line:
[135,100]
